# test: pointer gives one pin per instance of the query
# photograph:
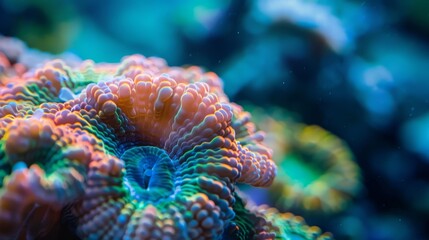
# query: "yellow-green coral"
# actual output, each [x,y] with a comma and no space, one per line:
[316,169]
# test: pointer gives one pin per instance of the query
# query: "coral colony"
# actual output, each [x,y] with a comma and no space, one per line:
[135,150]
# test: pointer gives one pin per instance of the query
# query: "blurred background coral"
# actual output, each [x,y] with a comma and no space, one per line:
[340,87]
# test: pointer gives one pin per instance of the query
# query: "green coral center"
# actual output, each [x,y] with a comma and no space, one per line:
[149,173]
[299,170]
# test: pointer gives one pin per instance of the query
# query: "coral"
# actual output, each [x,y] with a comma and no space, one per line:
[10,51]
[16,59]
[134,150]
[263,222]
[316,169]
[286,225]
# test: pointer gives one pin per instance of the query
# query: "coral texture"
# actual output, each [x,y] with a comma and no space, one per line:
[263,222]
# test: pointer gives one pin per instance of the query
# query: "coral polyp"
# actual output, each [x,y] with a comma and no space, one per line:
[328,176]
[131,150]
[316,169]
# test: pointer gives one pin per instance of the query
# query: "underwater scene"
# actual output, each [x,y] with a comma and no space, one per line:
[246,119]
